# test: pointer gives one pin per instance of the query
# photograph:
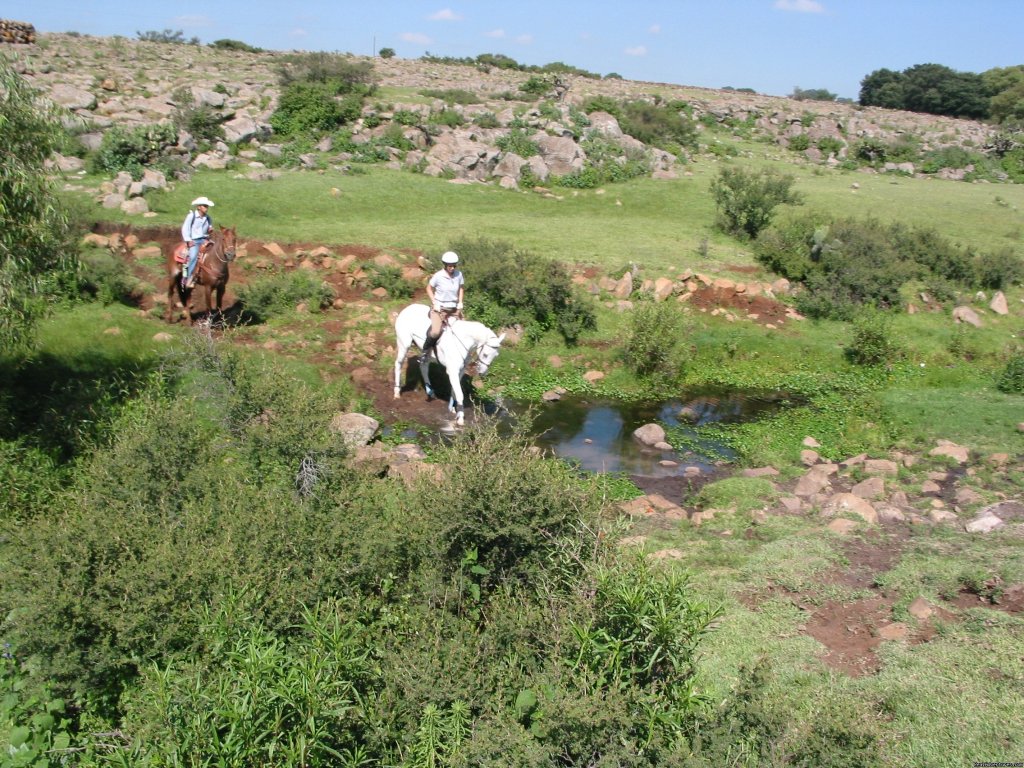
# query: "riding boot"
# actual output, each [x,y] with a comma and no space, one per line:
[429,345]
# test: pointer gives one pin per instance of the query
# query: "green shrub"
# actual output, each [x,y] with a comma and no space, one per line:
[746,200]
[787,248]
[1011,380]
[500,509]
[342,75]
[603,104]
[313,107]
[199,484]
[174,36]
[227,44]
[536,85]
[271,297]
[386,53]
[202,121]
[873,340]
[518,142]
[449,118]
[606,163]
[998,270]
[800,142]
[391,280]
[405,117]
[948,157]
[654,343]
[505,287]
[829,145]
[486,120]
[133,149]
[661,126]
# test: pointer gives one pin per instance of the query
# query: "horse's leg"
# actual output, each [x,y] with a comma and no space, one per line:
[403,348]
[425,375]
[186,301]
[220,296]
[209,306]
[455,404]
[172,284]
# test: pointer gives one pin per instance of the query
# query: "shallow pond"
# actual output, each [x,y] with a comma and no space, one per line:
[598,434]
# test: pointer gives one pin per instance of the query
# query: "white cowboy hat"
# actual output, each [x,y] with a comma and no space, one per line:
[203,201]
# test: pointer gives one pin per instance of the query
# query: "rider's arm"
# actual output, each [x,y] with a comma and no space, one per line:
[430,295]
[462,294]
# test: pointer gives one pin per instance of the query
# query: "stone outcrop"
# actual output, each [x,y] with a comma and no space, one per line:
[17,32]
[97,81]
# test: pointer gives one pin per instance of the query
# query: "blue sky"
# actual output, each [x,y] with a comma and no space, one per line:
[772,46]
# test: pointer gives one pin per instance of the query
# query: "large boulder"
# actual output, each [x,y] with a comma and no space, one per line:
[354,429]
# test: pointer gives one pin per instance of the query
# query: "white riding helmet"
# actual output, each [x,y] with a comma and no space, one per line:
[450,257]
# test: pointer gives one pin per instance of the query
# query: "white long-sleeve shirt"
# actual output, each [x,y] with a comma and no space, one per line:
[196,227]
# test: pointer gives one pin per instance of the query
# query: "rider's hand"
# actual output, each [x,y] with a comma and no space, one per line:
[459,306]
[437,306]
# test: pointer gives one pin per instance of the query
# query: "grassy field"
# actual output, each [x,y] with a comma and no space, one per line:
[662,225]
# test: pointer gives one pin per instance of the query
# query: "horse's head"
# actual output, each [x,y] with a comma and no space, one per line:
[487,352]
[229,240]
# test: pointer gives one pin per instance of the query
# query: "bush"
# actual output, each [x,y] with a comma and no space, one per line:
[199,484]
[536,85]
[391,280]
[307,108]
[873,340]
[175,36]
[998,270]
[661,126]
[343,76]
[202,122]
[37,243]
[386,53]
[133,149]
[501,505]
[1011,380]
[227,44]
[654,344]
[747,200]
[505,287]
[518,142]
[271,297]
[800,142]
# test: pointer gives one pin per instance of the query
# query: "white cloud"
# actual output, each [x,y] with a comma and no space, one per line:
[446,14]
[496,33]
[800,6]
[636,50]
[415,37]
[298,32]
[525,39]
[655,29]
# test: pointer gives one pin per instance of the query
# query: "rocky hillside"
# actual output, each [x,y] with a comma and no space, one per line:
[115,81]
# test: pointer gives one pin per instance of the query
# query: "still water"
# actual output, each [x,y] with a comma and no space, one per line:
[598,434]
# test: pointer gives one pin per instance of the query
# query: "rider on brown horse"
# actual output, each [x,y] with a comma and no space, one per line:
[195,231]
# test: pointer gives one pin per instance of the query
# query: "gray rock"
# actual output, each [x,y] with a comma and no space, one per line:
[354,429]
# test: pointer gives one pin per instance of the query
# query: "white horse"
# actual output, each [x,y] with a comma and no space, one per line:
[456,347]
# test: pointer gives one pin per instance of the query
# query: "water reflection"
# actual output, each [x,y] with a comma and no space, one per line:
[598,434]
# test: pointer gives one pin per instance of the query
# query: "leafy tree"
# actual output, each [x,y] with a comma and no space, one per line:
[882,88]
[387,53]
[747,200]
[35,237]
[931,88]
[812,94]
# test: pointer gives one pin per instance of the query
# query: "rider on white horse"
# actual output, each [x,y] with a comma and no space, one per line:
[446,290]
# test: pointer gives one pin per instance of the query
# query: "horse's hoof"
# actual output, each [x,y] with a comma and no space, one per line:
[398,395]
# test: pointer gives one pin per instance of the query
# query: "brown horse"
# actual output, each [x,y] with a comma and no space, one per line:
[211,271]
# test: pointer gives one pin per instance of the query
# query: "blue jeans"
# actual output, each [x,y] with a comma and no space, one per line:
[193,258]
